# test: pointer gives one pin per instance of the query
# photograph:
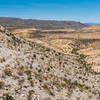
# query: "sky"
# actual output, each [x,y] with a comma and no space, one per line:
[76,10]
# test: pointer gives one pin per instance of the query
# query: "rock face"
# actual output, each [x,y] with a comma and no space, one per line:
[29,71]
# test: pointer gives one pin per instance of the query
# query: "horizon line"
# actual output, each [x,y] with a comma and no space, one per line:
[47,19]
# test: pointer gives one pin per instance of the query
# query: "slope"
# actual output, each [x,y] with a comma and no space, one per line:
[29,71]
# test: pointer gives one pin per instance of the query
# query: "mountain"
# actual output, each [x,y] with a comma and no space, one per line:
[30,71]
[39,24]
[91,24]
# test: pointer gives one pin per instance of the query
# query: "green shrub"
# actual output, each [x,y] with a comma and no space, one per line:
[8,97]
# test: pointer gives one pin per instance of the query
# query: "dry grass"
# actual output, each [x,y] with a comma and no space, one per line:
[62,42]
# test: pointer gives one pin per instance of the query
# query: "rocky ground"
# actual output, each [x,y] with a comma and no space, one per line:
[30,71]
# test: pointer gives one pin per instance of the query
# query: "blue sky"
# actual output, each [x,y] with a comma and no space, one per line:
[78,10]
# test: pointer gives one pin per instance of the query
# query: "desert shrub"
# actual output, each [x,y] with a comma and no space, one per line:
[48,89]
[20,81]
[8,72]
[20,70]
[29,97]
[8,97]
[2,60]
[74,51]
[2,84]
[28,73]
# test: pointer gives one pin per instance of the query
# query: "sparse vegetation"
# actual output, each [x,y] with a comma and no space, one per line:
[8,97]
[8,71]
[2,60]
[29,97]
[20,71]
[2,84]
[48,89]
[21,81]
[31,70]
[74,51]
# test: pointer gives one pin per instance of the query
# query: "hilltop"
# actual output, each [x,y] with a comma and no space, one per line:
[39,24]
[30,71]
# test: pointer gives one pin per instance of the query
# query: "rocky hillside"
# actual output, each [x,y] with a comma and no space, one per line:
[29,71]
[39,24]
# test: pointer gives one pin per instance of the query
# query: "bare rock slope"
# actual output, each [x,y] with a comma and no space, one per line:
[29,71]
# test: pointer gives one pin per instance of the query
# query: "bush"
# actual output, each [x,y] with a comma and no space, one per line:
[8,97]
[1,84]
[74,51]
[8,72]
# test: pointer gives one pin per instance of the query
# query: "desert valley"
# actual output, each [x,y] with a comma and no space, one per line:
[49,60]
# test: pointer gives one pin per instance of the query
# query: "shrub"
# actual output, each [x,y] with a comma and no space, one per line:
[74,51]
[29,97]
[8,72]
[8,97]
[2,84]
[2,60]
[48,89]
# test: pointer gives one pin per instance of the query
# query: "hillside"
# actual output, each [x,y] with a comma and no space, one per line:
[30,71]
[62,41]
[39,24]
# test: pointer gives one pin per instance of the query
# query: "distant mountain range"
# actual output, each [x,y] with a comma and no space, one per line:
[91,24]
[39,24]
